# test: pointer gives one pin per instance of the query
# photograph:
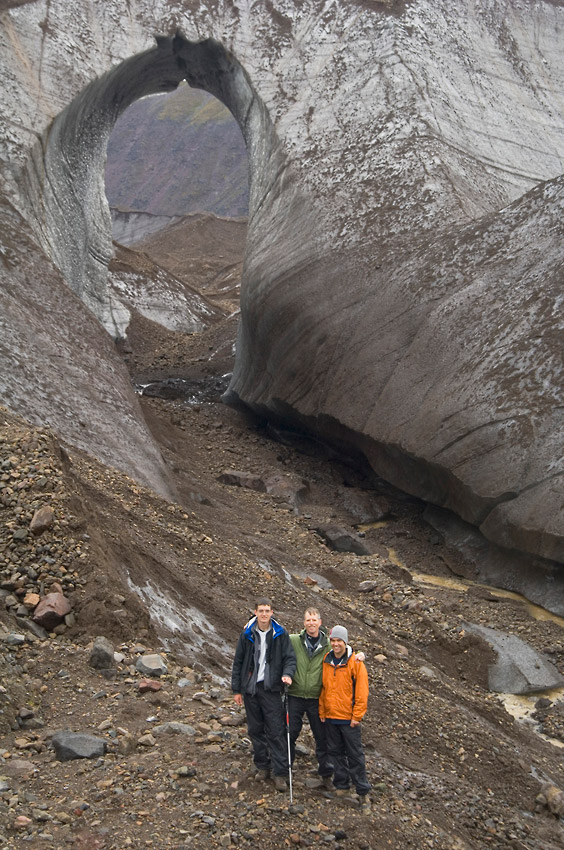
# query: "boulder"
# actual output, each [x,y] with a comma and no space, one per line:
[234,478]
[42,519]
[365,507]
[102,655]
[34,628]
[151,665]
[519,669]
[341,540]
[126,744]
[77,745]
[367,586]
[51,610]
[174,727]
[553,799]
[289,488]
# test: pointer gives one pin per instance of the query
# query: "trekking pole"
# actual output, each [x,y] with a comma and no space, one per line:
[289,748]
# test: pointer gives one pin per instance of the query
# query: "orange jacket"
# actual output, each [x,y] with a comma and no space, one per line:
[343,684]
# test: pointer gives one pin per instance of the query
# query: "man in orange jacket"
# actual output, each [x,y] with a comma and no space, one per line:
[342,705]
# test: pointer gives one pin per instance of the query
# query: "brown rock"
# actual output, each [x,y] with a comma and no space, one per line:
[90,841]
[232,720]
[31,600]
[147,740]
[18,768]
[554,799]
[126,744]
[42,519]
[149,685]
[51,610]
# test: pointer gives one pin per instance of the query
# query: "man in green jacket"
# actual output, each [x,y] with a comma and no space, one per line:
[310,646]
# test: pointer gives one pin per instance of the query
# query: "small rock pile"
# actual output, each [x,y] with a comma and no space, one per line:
[40,558]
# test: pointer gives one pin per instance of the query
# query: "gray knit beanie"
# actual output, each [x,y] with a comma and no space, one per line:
[339,633]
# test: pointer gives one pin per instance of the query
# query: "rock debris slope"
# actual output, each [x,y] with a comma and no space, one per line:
[401,284]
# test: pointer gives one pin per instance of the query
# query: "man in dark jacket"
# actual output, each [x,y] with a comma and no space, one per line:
[264,662]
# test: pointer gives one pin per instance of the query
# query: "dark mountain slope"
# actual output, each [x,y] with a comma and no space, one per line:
[177,154]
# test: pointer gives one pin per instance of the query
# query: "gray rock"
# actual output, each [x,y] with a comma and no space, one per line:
[25,713]
[519,668]
[33,627]
[289,488]
[14,639]
[428,672]
[102,655]
[341,540]
[366,508]
[174,727]
[151,665]
[77,745]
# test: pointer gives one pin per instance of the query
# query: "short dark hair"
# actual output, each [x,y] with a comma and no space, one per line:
[263,600]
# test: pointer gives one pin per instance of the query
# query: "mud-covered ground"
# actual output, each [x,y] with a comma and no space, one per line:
[451,769]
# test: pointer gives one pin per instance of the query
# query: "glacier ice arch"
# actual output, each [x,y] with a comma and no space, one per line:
[62,184]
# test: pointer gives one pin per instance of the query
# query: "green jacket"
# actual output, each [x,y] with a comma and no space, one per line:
[307,678]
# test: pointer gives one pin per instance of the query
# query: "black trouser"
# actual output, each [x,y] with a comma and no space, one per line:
[267,726]
[297,707]
[345,750]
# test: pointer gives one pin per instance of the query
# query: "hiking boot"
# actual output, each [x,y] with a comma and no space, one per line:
[365,804]
[280,783]
[327,783]
[262,775]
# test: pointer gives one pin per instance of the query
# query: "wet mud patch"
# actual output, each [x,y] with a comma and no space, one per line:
[206,390]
